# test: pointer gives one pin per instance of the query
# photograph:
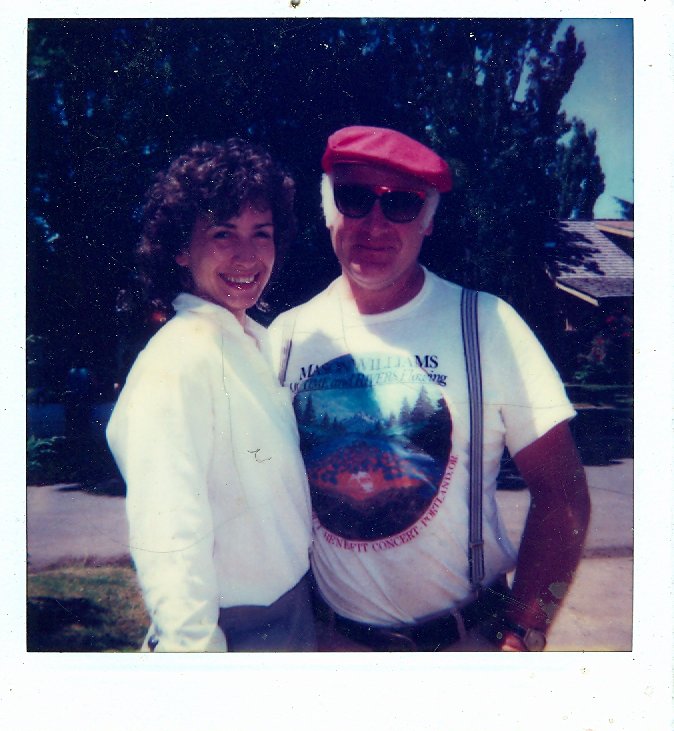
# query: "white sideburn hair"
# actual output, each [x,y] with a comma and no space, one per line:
[330,209]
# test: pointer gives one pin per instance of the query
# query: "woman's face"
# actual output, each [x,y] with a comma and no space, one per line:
[231,262]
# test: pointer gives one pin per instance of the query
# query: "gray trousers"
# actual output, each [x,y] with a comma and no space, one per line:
[287,625]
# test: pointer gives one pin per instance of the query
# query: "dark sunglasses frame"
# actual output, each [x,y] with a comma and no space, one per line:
[399,206]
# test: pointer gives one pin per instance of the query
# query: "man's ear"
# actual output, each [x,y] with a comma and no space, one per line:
[183,259]
[429,229]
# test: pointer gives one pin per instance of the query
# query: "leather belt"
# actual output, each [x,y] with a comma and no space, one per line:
[431,635]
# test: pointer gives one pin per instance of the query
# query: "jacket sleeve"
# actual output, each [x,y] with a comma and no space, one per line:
[161,434]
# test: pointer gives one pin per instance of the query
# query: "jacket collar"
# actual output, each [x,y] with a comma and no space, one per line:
[185,302]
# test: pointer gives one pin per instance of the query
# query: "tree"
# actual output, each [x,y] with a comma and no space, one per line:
[503,82]
[309,415]
[423,408]
[110,102]
[626,209]
[404,414]
[580,173]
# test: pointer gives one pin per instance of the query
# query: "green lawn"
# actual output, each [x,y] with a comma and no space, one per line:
[85,609]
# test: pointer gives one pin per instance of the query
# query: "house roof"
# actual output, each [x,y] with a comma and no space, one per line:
[590,266]
[613,226]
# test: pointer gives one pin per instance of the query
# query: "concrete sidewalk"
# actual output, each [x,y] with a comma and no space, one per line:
[597,612]
[67,524]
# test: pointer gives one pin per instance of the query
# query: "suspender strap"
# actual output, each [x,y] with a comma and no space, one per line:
[471,348]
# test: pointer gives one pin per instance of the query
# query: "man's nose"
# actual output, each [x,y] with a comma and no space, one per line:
[376,219]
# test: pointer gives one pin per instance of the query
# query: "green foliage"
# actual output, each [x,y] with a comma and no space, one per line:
[68,459]
[39,451]
[85,609]
[500,120]
[110,102]
[626,209]
[609,359]
[582,180]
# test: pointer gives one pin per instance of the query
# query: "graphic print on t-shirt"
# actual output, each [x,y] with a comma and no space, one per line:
[376,438]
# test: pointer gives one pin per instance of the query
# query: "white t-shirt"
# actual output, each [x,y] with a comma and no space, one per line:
[381,404]
[217,496]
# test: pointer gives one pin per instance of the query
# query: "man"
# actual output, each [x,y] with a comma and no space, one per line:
[376,367]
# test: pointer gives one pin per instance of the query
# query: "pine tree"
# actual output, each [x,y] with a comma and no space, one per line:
[309,414]
[626,209]
[404,415]
[110,102]
[580,173]
[423,408]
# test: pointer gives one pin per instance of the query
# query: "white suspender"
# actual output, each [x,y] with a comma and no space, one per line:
[471,349]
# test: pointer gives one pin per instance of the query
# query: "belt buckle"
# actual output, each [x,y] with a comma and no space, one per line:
[442,632]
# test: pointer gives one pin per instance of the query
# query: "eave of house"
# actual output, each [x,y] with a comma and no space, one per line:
[599,270]
[576,293]
[620,228]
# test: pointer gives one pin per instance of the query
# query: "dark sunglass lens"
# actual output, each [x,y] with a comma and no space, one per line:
[402,206]
[354,201]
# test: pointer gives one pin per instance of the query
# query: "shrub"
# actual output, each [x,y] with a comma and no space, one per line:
[40,451]
[609,359]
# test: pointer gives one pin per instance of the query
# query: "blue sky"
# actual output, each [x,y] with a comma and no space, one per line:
[603,96]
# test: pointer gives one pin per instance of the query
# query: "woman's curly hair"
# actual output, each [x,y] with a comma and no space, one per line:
[216,180]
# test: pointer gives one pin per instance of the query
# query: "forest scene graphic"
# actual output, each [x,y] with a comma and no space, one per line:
[375,454]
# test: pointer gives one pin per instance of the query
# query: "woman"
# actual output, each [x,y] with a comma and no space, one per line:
[217,498]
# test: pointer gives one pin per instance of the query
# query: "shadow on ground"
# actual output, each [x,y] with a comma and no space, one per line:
[109,487]
[80,608]
[68,625]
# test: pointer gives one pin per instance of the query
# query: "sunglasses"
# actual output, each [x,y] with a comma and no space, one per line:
[399,206]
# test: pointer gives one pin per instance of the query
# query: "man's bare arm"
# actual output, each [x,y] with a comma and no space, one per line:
[554,533]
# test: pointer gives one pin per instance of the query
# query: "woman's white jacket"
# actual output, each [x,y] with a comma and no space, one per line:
[217,497]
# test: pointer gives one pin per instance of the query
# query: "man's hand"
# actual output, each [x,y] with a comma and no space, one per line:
[512,643]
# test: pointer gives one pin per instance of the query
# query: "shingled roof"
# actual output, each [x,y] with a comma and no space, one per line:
[614,226]
[597,269]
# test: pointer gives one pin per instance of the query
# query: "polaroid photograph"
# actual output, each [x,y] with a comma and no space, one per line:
[326,350]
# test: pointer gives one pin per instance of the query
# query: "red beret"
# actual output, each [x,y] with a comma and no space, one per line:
[386,147]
